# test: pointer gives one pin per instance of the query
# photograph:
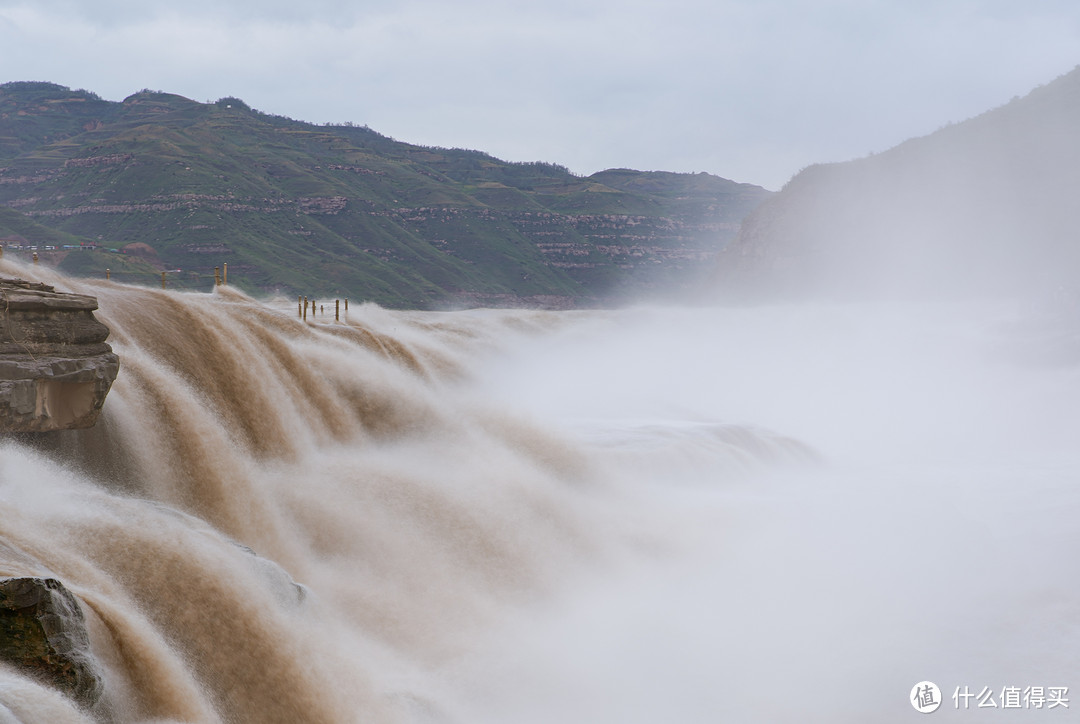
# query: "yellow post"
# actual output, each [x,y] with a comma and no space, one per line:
[35,257]
[1,251]
[108,273]
[337,310]
[299,306]
[224,274]
[346,305]
[162,280]
[217,276]
[305,309]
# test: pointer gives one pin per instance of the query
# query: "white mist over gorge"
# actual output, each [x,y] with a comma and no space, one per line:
[983,207]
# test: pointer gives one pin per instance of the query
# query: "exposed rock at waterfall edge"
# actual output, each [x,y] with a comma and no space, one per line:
[43,633]
[55,367]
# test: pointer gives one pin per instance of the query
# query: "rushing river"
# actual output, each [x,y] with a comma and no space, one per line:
[766,514]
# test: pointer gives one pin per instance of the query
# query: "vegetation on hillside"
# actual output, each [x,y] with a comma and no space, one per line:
[298,208]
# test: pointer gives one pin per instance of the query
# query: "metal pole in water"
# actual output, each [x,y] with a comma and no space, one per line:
[337,310]
[224,274]
[108,274]
[217,276]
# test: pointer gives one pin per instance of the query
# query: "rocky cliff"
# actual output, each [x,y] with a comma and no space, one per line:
[55,367]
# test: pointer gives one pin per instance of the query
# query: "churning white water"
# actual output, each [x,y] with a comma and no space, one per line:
[648,515]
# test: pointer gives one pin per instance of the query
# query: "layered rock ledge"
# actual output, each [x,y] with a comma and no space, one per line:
[55,367]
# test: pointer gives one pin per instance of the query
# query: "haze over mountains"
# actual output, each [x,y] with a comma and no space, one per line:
[338,210]
[985,207]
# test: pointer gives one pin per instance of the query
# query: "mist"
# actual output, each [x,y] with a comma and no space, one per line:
[978,209]
[923,539]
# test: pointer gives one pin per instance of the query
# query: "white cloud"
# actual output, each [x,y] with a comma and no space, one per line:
[748,89]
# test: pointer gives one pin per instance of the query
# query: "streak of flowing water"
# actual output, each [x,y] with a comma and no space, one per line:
[770,514]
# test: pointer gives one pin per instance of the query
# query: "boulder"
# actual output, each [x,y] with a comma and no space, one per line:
[43,633]
[55,367]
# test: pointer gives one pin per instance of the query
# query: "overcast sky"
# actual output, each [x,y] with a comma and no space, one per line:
[751,90]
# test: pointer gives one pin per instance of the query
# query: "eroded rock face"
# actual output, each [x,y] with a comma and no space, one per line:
[55,367]
[43,632]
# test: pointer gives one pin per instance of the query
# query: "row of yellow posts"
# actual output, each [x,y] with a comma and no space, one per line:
[302,308]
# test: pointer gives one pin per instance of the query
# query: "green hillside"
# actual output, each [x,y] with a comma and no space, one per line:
[298,208]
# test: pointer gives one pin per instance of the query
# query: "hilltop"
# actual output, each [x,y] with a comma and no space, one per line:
[983,207]
[342,210]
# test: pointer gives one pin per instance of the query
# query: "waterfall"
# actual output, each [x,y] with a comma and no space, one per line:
[483,515]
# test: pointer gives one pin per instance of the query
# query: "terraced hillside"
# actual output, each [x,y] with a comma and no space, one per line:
[174,184]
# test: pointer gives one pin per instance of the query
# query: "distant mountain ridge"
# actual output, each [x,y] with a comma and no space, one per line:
[299,208]
[984,207]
